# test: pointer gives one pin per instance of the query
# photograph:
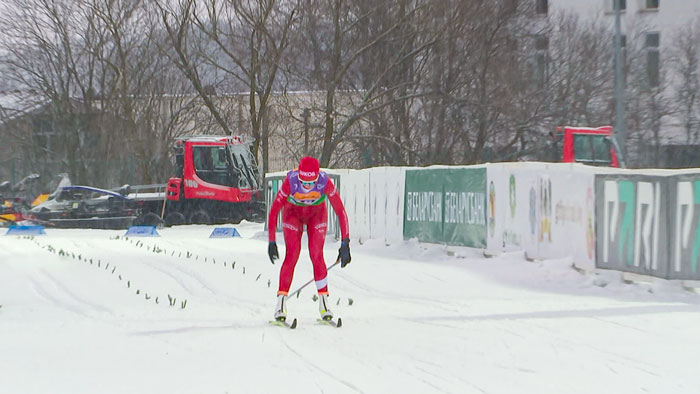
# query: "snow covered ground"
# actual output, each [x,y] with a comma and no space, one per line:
[79,315]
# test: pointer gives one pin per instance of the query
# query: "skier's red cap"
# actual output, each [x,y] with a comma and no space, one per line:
[308,169]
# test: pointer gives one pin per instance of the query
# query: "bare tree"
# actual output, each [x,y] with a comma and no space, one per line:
[144,90]
[41,57]
[685,61]
[241,42]
[333,38]
[469,81]
[89,62]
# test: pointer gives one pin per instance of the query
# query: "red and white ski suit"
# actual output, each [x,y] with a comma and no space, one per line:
[305,207]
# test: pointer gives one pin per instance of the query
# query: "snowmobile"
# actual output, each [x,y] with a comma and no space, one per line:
[15,199]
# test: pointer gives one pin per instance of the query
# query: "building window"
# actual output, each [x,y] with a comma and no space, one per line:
[651,45]
[623,4]
[652,4]
[541,58]
[542,7]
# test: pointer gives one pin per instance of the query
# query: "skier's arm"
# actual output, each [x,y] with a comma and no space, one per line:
[339,208]
[277,203]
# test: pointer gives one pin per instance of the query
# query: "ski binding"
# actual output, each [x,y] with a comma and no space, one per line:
[330,322]
[284,323]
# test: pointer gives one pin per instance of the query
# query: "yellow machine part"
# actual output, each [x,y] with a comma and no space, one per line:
[9,217]
[39,199]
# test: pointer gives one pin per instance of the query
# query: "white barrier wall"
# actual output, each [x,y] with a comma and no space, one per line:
[373,199]
[387,203]
[355,194]
[645,218]
[545,209]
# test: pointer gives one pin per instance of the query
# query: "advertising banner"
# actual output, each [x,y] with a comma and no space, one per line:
[512,203]
[446,205]
[571,214]
[684,220]
[423,205]
[465,207]
[546,210]
[632,223]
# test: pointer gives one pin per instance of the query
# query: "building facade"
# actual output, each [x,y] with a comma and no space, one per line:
[665,35]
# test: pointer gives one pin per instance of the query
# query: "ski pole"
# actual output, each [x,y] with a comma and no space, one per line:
[337,261]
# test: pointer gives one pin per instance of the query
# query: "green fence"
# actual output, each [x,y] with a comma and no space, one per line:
[446,205]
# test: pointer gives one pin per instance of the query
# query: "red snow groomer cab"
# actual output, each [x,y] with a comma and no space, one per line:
[217,181]
[587,145]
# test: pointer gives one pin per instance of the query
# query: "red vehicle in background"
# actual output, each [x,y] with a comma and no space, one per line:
[217,181]
[587,145]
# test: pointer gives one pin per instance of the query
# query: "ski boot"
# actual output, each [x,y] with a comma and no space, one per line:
[281,308]
[323,303]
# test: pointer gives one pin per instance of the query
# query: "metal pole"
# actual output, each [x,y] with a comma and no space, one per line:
[165,200]
[306,115]
[620,131]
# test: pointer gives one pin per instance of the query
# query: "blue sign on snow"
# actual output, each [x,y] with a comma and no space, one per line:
[142,231]
[25,230]
[224,232]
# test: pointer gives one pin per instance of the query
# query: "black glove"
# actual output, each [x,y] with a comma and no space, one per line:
[272,251]
[344,253]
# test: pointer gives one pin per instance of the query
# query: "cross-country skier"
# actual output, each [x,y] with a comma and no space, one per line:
[302,199]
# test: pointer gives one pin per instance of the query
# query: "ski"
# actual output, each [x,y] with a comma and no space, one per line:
[284,323]
[337,323]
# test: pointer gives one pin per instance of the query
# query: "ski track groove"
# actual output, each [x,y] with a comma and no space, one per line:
[188,273]
[431,304]
[61,286]
[197,277]
[625,326]
[428,382]
[309,364]
[226,298]
[192,328]
[512,324]
[43,293]
[628,361]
